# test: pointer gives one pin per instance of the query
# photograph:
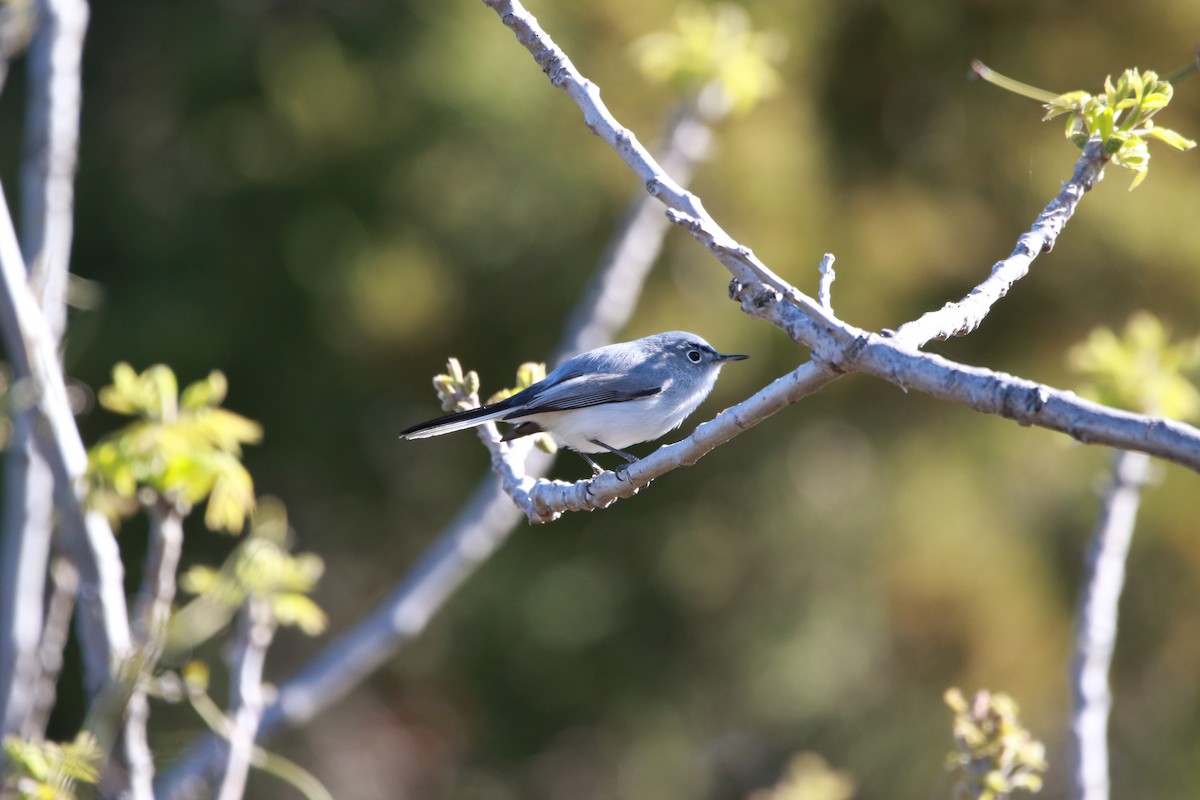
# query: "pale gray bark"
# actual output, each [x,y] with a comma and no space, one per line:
[1096,634]
[47,188]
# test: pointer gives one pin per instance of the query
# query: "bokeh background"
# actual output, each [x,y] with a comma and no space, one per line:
[327,199]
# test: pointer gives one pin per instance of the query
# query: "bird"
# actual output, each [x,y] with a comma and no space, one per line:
[606,399]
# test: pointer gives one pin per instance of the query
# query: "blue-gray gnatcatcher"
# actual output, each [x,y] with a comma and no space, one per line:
[605,399]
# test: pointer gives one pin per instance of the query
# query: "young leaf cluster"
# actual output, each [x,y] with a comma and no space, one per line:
[1121,119]
[996,753]
[41,770]
[260,570]
[456,390]
[1141,370]
[183,447]
[713,48]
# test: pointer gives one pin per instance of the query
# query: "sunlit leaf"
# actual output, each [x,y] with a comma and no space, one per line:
[298,610]
[231,499]
[206,393]
[1120,119]
[198,579]
[185,448]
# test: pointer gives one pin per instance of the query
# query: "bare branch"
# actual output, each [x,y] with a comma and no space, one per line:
[51,153]
[27,530]
[963,317]
[65,588]
[845,348]
[153,608]
[740,261]
[47,177]
[88,539]
[611,295]
[150,617]
[544,500]
[255,631]
[1096,636]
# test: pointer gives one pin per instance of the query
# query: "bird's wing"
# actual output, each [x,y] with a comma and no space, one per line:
[584,391]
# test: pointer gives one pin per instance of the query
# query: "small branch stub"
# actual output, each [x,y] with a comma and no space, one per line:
[828,276]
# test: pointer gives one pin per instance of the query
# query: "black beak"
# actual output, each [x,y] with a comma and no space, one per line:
[732,357]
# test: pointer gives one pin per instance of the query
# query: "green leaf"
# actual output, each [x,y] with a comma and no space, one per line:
[207,393]
[530,373]
[299,611]
[302,572]
[43,769]
[231,499]
[223,429]
[81,758]
[121,396]
[199,580]
[1170,138]
[161,392]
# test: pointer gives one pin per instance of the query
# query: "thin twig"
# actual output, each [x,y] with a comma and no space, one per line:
[64,579]
[153,607]
[825,288]
[966,315]
[150,616]
[255,631]
[1096,636]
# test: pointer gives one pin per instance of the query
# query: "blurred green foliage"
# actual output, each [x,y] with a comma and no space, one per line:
[1141,370]
[325,200]
[809,777]
[995,753]
[183,446]
[259,570]
[714,46]
[42,770]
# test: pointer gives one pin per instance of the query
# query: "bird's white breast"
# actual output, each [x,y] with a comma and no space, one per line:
[620,425]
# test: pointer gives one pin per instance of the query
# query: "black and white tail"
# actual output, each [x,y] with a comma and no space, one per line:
[458,421]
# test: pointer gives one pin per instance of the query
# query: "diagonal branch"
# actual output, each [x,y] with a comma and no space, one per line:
[842,347]
[740,261]
[965,316]
[88,539]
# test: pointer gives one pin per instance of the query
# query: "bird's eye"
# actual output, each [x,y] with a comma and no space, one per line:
[693,356]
